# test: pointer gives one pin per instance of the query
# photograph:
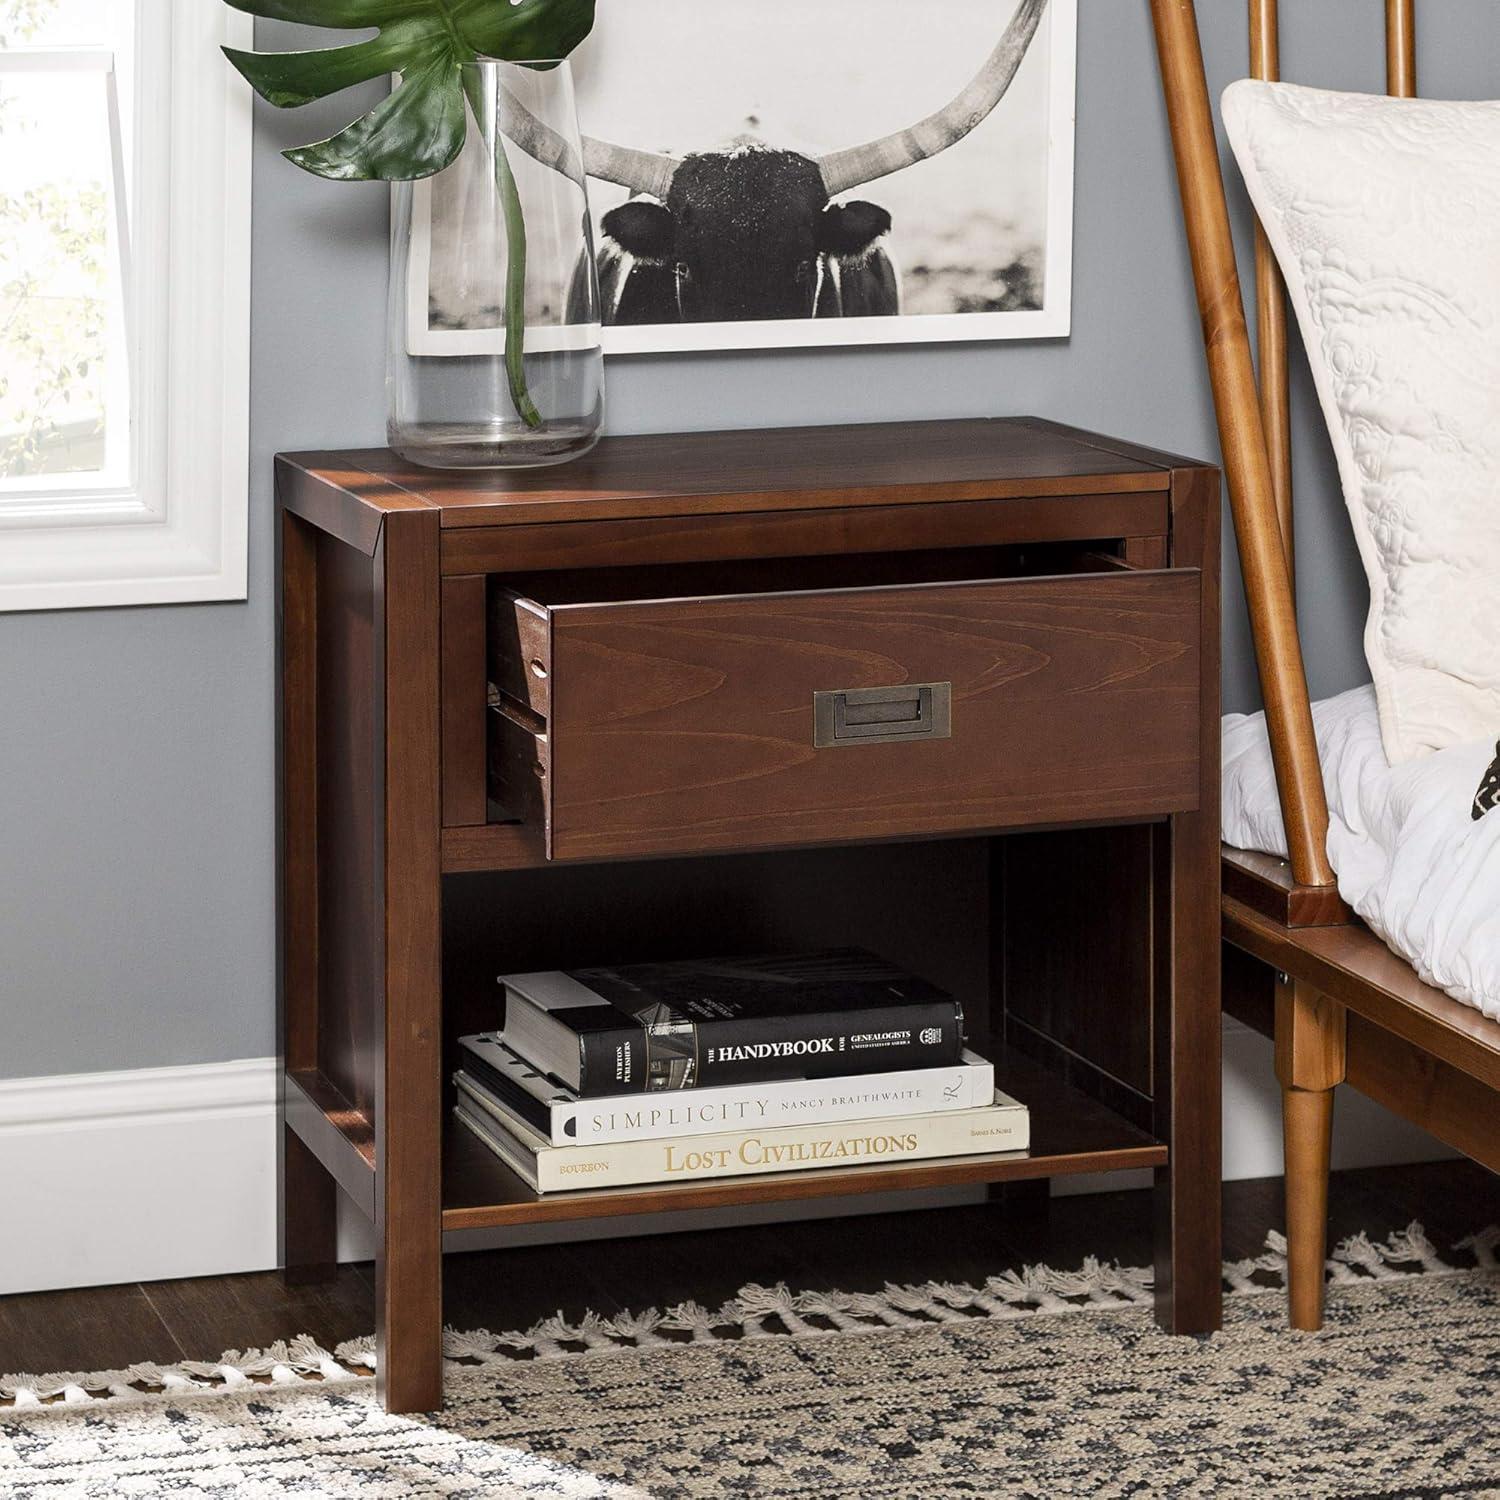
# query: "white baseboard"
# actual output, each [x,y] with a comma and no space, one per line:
[168,1172]
[137,1176]
[1364,1133]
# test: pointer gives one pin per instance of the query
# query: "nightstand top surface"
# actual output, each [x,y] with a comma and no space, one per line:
[760,470]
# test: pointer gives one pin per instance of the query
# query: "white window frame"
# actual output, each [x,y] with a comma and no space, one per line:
[177,532]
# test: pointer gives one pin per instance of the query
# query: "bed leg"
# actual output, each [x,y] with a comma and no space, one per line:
[1307,1122]
[1309,1064]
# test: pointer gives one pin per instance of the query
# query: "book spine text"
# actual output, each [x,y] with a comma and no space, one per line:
[746,1153]
[817,1044]
[775,1103]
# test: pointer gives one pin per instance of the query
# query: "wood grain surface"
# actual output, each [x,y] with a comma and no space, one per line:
[1354,967]
[1189,1289]
[1088,986]
[884,527]
[464,646]
[1443,1100]
[343,832]
[687,725]
[1264,883]
[407,1001]
[775,469]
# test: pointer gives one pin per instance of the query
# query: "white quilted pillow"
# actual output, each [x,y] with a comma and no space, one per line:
[1385,217]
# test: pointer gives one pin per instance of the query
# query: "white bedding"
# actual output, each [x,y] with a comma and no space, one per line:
[1409,854]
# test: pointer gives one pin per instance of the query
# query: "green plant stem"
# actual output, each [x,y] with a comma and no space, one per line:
[515,260]
[515,287]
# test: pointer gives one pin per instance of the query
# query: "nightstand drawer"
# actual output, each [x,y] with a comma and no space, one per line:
[630,725]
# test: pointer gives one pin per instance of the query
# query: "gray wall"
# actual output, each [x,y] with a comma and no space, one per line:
[136,795]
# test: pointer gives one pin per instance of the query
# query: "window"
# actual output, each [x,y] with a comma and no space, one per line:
[124,303]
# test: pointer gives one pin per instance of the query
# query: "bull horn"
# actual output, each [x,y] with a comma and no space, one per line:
[536,139]
[843,170]
[640,171]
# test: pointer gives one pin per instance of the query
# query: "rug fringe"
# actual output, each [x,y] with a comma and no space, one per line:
[281,1363]
[756,1312]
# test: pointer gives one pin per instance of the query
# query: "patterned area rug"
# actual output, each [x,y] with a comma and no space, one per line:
[1040,1385]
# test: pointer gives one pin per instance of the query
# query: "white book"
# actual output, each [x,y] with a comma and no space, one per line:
[1003,1126]
[558,1114]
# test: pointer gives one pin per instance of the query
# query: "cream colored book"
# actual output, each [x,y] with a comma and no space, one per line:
[1000,1127]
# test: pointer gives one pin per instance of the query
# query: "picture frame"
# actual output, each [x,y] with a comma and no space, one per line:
[981,236]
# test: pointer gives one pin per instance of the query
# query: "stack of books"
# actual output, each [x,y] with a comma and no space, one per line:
[677,1072]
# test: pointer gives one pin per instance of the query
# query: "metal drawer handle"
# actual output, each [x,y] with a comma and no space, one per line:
[865,716]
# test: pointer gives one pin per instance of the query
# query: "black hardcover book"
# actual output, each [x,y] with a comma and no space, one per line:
[729,1020]
[532,1098]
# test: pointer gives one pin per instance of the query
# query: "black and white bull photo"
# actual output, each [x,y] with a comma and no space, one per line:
[754,230]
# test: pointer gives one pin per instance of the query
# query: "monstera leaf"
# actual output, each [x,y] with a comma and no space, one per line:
[420,128]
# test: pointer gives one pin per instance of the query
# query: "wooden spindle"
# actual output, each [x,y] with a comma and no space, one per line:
[1401,48]
[1252,497]
[1270,310]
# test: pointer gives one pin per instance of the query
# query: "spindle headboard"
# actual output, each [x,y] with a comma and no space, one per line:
[1252,405]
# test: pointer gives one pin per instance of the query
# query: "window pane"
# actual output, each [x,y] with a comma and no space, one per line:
[57,23]
[63,371]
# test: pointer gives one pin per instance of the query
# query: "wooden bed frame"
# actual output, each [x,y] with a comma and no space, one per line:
[1298,965]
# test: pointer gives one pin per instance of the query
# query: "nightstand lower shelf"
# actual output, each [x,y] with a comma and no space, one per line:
[1070,1133]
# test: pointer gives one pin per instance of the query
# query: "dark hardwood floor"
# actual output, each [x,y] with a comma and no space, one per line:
[164,1321]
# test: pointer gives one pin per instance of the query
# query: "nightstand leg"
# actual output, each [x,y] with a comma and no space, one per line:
[409,1103]
[309,1215]
[1030,1200]
[409,1319]
[1189,1286]
[308,1203]
[1189,1275]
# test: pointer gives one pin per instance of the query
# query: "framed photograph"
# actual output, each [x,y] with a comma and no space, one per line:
[805,173]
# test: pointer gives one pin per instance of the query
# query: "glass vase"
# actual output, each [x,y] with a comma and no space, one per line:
[493,343]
